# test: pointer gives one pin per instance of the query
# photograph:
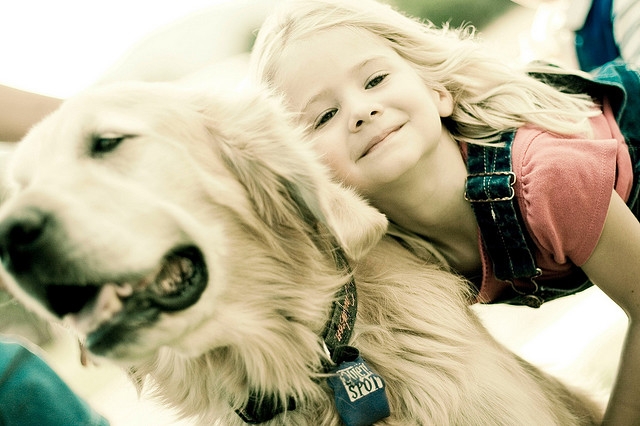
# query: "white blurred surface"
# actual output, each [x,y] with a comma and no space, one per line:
[58,47]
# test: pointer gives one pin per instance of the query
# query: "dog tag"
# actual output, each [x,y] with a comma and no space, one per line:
[359,392]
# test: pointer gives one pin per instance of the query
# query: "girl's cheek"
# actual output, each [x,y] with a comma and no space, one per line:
[335,162]
[324,147]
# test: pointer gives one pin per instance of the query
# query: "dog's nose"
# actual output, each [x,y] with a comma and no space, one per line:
[22,236]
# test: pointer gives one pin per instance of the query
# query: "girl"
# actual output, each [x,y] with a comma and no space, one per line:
[522,187]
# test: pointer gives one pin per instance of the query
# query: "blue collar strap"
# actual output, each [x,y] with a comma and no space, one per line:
[338,330]
[359,392]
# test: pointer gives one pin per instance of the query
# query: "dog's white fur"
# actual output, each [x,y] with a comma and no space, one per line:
[230,174]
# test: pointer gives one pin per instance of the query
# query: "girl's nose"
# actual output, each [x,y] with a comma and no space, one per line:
[362,117]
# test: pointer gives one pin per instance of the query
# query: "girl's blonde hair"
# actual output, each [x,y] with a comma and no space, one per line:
[490,95]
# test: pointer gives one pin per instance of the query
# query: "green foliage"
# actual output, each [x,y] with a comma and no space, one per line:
[478,13]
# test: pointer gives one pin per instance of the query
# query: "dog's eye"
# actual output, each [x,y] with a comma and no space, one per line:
[102,144]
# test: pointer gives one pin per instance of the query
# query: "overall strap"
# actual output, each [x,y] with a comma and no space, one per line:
[619,82]
[623,89]
[489,189]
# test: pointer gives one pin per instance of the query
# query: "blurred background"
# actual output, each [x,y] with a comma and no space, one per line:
[479,13]
[58,48]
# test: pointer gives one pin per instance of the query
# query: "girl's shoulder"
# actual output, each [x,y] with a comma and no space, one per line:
[538,155]
[564,184]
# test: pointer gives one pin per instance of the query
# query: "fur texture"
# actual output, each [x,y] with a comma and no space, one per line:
[121,176]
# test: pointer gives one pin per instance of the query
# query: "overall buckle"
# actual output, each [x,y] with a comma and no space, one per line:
[490,187]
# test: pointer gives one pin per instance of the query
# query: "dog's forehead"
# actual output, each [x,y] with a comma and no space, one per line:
[99,111]
[130,107]
[111,110]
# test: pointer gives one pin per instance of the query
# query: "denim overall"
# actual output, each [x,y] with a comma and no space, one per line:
[490,180]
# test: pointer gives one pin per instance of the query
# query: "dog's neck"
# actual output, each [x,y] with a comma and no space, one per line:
[337,333]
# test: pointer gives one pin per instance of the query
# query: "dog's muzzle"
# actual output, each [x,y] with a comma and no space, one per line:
[33,249]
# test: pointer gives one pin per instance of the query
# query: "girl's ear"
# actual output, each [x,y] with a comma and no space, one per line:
[444,102]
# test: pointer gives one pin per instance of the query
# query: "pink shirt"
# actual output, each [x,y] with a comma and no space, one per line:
[563,188]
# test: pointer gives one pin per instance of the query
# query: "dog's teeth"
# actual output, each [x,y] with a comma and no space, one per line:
[107,304]
[179,282]
[124,290]
[169,285]
[171,279]
[186,269]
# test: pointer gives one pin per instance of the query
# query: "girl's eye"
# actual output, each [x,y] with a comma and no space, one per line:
[375,81]
[324,117]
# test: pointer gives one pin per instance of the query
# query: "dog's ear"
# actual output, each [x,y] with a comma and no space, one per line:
[357,226]
[275,162]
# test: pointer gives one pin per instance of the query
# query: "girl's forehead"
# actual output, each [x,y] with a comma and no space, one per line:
[313,67]
[345,35]
[336,46]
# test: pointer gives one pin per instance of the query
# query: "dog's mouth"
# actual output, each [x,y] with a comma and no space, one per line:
[124,305]
[180,281]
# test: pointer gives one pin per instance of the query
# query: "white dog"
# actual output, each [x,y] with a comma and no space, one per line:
[196,240]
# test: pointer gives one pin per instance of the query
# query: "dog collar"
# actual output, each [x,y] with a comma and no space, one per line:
[337,333]
[338,330]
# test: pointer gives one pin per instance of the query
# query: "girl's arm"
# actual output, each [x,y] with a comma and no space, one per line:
[614,266]
[19,110]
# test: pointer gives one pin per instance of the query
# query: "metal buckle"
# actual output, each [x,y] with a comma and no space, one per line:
[512,181]
[531,299]
[532,280]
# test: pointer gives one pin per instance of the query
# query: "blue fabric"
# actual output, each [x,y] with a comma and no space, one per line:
[32,394]
[595,43]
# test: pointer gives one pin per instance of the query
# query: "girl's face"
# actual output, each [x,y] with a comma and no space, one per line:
[371,115]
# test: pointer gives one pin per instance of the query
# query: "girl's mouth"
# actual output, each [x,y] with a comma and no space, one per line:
[379,139]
